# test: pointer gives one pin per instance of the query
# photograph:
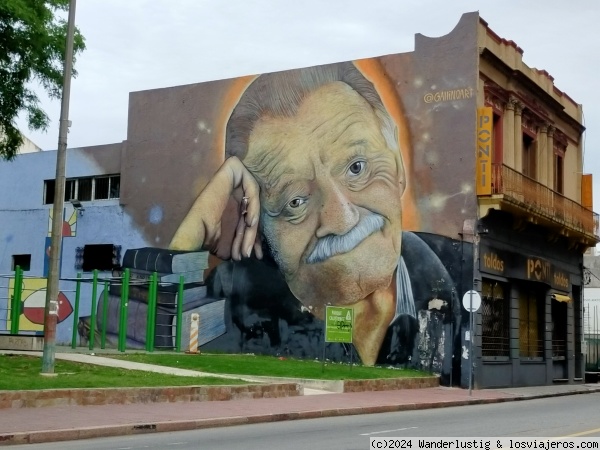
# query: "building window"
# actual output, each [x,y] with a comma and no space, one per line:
[23,261]
[531,324]
[86,188]
[49,186]
[102,257]
[107,187]
[497,145]
[559,169]
[529,156]
[495,339]
[559,328]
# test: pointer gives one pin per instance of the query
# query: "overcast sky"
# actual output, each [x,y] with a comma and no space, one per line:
[134,45]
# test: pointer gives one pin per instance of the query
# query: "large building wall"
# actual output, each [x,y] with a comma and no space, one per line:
[28,146]
[537,107]
[536,138]
[391,140]
[572,172]
[26,225]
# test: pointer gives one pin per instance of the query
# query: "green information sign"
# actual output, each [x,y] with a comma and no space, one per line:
[338,324]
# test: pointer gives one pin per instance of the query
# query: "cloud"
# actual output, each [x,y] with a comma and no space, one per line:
[144,44]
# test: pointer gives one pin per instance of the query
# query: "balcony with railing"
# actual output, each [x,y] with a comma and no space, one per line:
[536,199]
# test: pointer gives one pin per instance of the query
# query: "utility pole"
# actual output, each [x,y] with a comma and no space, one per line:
[51,310]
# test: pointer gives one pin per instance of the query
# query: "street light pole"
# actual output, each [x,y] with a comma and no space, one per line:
[51,310]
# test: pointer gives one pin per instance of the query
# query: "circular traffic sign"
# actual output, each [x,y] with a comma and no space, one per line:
[471,301]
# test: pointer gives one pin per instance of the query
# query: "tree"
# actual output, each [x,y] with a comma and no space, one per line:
[32,49]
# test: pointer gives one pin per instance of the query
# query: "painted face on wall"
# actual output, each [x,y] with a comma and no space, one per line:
[330,196]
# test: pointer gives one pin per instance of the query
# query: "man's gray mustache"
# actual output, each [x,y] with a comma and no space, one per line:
[333,244]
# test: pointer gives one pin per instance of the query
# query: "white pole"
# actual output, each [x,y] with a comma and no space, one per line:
[51,308]
[470,340]
[195,319]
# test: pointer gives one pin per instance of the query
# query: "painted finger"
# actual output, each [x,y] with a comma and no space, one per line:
[238,239]
[258,247]
[249,240]
[250,201]
[213,243]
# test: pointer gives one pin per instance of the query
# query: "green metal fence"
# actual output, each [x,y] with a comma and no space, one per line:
[99,321]
[592,338]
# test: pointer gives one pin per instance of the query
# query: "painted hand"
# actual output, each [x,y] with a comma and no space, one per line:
[201,227]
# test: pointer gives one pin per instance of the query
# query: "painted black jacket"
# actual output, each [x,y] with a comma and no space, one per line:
[263,316]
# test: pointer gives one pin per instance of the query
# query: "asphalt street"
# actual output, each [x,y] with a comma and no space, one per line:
[572,415]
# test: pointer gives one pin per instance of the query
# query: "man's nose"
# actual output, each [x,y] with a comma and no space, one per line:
[338,214]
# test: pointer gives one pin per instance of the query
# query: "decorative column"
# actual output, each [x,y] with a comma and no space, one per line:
[508,138]
[547,336]
[550,161]
[543,153]
[518,137]
[570,358]
[514,334]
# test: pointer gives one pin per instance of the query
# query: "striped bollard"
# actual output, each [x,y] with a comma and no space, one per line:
[194,333]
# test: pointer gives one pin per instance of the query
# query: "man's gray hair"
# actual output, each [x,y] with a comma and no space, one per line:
[280,94]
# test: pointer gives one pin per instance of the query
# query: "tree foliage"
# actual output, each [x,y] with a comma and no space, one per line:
[32,48]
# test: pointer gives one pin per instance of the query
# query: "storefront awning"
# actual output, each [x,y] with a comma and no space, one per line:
[561,298]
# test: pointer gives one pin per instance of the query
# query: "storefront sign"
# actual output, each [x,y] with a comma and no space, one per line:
[522,267]
[485,119]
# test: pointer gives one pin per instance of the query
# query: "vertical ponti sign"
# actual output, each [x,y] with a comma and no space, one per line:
[485,119]
[338,324]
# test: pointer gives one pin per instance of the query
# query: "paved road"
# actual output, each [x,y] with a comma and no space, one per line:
[66,423]
[547,417]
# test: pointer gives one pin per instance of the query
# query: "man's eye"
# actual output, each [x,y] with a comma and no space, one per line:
[357,167]
[295,203]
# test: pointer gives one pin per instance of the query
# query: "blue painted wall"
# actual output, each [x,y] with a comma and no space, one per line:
[24,223]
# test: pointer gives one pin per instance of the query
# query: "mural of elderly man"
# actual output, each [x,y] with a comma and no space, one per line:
[314,161]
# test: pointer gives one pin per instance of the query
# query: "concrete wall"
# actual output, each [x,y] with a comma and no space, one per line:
[26,228]
[415,267]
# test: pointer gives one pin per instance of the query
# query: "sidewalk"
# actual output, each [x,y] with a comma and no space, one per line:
[29,425]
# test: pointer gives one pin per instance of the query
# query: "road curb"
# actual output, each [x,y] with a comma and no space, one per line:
[277,387]
[143,395]
[183,425]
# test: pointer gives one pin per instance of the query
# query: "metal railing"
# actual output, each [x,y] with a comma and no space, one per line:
[534,196]
[495,346]
[531,349]
[559,348]
[592,338]
[116,298]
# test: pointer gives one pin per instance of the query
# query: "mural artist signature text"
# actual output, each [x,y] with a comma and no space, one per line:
[448,96]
